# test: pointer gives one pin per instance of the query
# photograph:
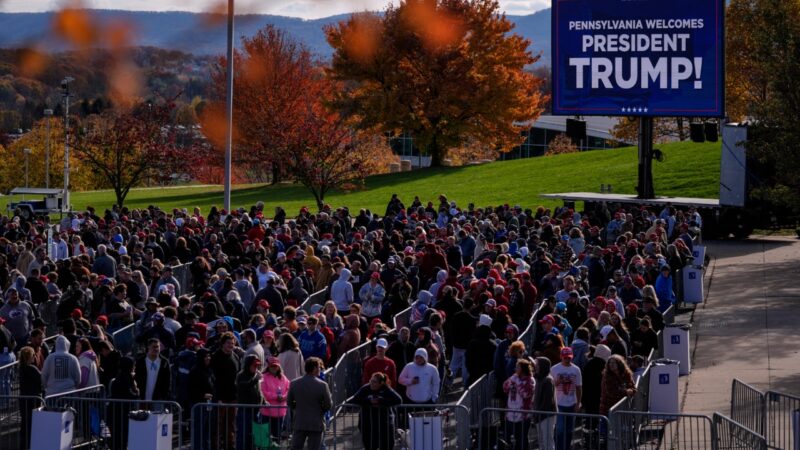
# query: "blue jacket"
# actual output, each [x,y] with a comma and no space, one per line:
[313,344]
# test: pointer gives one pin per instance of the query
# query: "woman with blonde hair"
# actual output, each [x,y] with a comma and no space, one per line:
[144,291]
[30,385]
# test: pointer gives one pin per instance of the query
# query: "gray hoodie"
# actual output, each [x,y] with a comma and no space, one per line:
[342,291]
[61,371]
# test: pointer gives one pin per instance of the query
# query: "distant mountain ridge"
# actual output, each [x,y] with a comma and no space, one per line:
[203,34]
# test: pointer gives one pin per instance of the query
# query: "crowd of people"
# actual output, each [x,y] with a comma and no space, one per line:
[596,284]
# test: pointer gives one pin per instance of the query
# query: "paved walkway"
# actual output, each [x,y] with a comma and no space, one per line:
[749,326]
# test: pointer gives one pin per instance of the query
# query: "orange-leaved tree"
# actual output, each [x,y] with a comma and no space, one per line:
[447,71]
[127,145]
[328,155]
[273,74]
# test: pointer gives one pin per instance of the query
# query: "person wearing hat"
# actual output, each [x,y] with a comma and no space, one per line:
[18,316]
[481,350]
[248,392]
[274,389]
[421,379]
[158,331]
[167,278]
[372,295]
[611,338]
[628,292]
[312,341]
[593,375]
[569,389]
[664,288]
[380,363]
[563,253]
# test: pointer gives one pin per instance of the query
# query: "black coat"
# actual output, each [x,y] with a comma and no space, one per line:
[163,379]
[480,354]
[226,368]
[30,381]
[592,377]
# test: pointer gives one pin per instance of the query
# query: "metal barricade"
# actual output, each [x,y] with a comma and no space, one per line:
[731,435]
[231,426]
[317,298]
[346,376]
[477,397]
[669,315]
[15,420]
[782,418]
[125,339]
[107,423]
[644,431]
[403,426]
[748,406]
[506,428]
[183,274]
[9,381]
[98,391]
[402,319]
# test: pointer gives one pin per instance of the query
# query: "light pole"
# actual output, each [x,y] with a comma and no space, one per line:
[27,152]
[65,92]
[49,114]
[229,127]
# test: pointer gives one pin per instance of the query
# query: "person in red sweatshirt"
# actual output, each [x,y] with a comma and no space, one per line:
[380,363]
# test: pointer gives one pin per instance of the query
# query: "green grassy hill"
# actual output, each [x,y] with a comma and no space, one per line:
[690,170]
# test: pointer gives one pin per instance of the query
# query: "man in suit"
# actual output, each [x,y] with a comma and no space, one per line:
[153,373]
[309,398]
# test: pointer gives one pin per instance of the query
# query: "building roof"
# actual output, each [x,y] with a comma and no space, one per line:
[598,127]
[36,191]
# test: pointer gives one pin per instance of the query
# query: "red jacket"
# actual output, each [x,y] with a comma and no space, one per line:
[375,365]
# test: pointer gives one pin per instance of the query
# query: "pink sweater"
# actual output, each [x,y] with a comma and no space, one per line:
[269,388]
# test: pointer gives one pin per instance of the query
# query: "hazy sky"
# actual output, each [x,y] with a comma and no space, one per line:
[309,9]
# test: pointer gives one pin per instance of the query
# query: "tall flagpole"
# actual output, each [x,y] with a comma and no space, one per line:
[229,128]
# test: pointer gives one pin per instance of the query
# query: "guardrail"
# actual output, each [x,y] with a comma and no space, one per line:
[106,423]
[125,339]
[402,319]
[512,428]
[748,406]
[656,431]
[15,420]
[317,298]
[346,376]
[731,435]
[782,418]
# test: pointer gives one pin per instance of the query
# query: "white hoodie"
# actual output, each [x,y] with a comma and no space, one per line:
[428,387]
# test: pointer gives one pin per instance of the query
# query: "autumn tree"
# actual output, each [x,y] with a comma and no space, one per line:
[330,154]
[128,145]
[561,144]
[766,58]
[665,129]
[446,71]
[272,78]
[12,160]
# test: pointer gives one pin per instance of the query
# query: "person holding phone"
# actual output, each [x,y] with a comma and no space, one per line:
[421,379]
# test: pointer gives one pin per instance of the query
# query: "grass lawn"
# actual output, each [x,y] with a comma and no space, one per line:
[690,170]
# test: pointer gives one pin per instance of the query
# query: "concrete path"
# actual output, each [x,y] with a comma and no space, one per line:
[749,326]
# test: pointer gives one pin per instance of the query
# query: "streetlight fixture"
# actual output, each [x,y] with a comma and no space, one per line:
[66,94]
[229,121]
[49,114]
[27,152]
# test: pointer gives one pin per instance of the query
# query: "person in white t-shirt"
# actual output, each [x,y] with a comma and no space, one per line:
[567,377]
